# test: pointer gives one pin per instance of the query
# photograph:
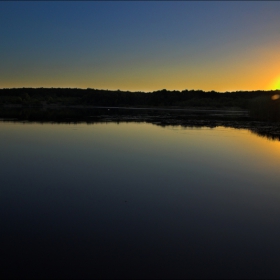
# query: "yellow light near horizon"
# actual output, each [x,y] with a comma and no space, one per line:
[276,83]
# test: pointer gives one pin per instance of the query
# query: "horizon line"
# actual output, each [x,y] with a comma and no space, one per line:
[168,90]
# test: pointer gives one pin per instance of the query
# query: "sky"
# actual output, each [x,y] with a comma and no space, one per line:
[141,46]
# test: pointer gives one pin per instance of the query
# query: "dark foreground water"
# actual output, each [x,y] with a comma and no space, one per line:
[135,200]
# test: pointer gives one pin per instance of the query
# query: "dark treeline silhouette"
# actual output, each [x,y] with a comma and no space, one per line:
[259,103]
[95,97]
[265,108]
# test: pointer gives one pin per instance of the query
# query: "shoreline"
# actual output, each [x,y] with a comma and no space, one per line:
[184,117]
[167,108]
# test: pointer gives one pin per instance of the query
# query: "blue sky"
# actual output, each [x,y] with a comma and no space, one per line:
[140,45]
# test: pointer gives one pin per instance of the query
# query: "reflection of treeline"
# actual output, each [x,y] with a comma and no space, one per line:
[259,103]
[183,118]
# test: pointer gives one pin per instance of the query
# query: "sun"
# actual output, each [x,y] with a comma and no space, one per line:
[275,84]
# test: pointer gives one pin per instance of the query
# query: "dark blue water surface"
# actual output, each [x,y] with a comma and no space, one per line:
[135,200]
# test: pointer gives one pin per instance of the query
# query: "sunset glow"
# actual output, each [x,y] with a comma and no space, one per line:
[140,46]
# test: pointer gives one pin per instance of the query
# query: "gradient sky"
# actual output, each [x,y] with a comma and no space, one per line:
[146,46]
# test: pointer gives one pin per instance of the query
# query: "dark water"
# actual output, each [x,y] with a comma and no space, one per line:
[135,200]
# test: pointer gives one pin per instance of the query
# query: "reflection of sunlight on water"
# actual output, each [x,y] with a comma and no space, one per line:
[181,128]
[188,130]
[215,131]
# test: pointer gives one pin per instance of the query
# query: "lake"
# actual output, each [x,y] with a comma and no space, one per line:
[137,200]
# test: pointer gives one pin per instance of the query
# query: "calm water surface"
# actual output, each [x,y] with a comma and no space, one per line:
[138,200]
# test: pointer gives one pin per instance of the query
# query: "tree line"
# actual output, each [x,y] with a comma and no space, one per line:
[96,97]
[259,103]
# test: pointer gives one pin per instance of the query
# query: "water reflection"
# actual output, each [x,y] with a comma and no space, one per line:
[160,117]
[137,200]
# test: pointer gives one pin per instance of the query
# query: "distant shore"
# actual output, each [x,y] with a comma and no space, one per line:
[117,98]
